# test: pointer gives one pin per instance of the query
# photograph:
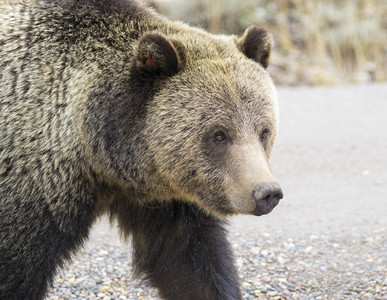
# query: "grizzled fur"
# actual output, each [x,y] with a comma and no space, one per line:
[107,107]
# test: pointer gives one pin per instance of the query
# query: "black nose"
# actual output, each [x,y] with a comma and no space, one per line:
[266,196]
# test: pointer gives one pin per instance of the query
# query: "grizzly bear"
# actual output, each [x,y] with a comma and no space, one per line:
[107,107]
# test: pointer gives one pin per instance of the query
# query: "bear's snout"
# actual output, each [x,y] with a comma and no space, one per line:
[266,196]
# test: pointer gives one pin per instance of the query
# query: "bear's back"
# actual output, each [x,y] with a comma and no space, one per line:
[46,64]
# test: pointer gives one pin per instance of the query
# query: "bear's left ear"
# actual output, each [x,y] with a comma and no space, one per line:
[256,44]
[156,55]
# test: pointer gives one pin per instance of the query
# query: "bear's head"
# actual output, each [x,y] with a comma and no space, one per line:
[195,121]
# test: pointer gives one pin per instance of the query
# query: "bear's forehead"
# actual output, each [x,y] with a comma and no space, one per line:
[211,92]
[233,82]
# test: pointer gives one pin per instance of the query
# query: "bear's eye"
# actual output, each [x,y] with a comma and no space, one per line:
[264,135]
[220,137]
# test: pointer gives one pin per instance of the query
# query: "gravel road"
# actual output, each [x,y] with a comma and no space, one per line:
[326,239]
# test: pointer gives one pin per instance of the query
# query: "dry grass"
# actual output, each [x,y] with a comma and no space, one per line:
[347,37]
[317,41]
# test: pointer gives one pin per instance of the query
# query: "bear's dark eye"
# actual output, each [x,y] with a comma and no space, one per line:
[264,135]
[219,137]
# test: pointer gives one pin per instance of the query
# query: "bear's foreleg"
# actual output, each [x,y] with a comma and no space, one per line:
[32,247]
[184,252]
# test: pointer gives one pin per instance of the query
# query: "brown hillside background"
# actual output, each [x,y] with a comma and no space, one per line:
[316,42]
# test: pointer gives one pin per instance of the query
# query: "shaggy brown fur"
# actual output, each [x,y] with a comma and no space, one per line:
[107,107]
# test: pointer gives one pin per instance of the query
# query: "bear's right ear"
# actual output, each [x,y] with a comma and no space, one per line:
[156,55]
[256,44]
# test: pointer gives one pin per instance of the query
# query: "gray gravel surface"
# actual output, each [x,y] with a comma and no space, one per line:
[327,238]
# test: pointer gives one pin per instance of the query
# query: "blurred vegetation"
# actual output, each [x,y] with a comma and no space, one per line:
[316,41]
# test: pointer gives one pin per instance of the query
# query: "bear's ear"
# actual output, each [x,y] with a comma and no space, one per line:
[256,44]
[157,55]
